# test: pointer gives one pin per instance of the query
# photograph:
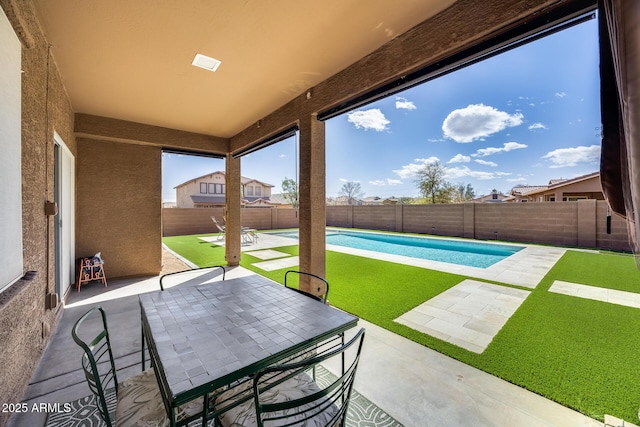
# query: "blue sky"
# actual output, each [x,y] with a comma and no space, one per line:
[524,117]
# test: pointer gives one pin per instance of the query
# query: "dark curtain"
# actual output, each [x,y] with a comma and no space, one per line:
[620,107]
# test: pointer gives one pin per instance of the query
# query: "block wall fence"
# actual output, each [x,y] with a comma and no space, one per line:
[575,224]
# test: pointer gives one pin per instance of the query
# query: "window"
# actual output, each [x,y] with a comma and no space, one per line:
[10,162]
[203,188]
[220,188]
[212,188]
[249,190]
[258,191]
[494,196]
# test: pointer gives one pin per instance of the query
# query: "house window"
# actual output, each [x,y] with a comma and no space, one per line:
[203,188]
[494,196]
[258,191]
[249,191]
[552,199]
[212,188]
[11,266]
[219,188]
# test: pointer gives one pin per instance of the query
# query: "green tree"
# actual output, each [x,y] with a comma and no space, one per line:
[469,193]
[352,191]
[463,192]
[290,191]
[432,184]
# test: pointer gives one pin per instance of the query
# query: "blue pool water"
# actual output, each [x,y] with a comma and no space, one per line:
[472,254]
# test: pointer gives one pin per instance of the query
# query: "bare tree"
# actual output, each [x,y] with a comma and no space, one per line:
[352,191]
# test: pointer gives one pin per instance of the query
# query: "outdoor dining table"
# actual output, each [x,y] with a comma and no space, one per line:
[202,338]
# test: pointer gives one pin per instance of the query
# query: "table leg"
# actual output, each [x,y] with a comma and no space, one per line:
[142,341]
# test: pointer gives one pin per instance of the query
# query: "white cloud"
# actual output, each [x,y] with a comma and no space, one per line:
[521,179]
[507,146]
[369,119]
[383,182]
[282,155]
[537,125]
[477,121]
[403,103]
[486,163]
[464,171]
[410,170]
[435,140]
[566,157]
[459,158]
[560,94]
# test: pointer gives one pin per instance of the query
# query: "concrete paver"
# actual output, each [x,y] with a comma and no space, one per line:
[469,314]
[266,254]
[612,296]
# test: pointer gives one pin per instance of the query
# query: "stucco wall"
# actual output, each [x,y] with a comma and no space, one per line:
[554,223]
[119,207]
[178,222]
[183,194]
[25,321]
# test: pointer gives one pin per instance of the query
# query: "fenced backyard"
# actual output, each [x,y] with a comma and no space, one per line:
[574,350]
[580,224]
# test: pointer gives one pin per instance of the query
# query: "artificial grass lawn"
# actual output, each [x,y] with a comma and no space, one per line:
[581,353]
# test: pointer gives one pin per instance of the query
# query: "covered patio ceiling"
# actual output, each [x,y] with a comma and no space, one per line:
[131,60]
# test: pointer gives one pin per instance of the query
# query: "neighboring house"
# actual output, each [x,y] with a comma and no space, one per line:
[169,205]
[281,201]
[343,201]
[494,197]
[209,191]
[562,190]
[372,200]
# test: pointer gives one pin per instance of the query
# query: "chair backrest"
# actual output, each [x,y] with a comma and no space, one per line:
[218,225]
[97,361]
[224,272]
[320,285]
[325,404]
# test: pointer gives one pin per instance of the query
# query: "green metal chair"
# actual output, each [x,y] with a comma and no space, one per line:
[322,286]
[138,399]
[285,395]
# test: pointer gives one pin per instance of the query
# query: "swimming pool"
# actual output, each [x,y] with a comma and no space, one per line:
[471,254]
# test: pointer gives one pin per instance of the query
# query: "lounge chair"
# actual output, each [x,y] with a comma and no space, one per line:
[221,228]
[248,235]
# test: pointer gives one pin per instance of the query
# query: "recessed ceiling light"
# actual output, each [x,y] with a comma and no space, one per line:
[206,62]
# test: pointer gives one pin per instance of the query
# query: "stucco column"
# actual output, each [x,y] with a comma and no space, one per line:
[232,215]
[312,199]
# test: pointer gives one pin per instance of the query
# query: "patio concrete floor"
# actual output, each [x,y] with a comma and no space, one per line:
[412,383]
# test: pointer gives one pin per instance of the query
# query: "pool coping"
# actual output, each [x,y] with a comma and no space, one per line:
[525,268]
